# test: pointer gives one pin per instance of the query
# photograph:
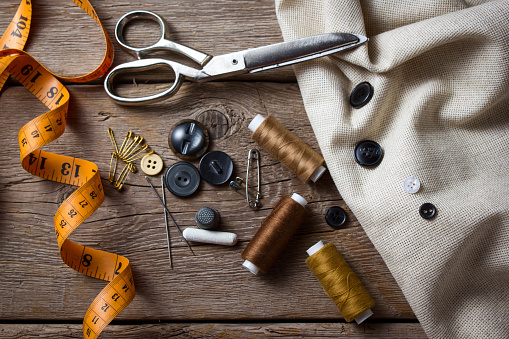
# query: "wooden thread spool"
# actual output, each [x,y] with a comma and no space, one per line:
[285,146]
[339,282]
[274,233]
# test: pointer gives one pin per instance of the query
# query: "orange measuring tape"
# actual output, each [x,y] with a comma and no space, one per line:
[65,169]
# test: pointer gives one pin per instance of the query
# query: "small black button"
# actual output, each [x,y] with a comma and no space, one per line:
[182,179]
[216,167]
[368,153]
[427,210]
[188,139]
[335,217]
[361,95]
[207,218]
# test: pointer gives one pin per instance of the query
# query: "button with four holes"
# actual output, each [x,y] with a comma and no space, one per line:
[427,210]
[411,185]
[335,217]
[182,179]
[361,95]
[368,153]
[151,164]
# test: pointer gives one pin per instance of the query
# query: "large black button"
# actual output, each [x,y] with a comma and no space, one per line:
[368,153]
[188,139]
[216,167]
[335,217]
[427,210]
[182,179]
[361,95]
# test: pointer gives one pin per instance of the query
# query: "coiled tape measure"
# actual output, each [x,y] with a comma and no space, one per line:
[65,169]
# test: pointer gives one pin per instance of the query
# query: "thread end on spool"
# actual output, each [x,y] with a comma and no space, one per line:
[256,122]
[363,316]
[251,267]
[299,199]
[315,248]
[317,174]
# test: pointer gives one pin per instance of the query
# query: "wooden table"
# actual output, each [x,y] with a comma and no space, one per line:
[209,294]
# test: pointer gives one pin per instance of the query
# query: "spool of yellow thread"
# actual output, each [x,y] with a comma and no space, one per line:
[339,282]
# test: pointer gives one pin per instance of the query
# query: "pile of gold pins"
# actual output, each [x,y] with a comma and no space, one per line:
[132,148]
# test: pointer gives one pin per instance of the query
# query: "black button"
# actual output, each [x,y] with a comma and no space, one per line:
[368,153]
[335,217]
[361,95]
[216,167]
[207,218]
[427,210]
[182,179]
[188,139]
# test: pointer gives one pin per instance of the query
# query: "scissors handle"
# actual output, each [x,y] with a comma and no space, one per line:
[138,66]
[162,44]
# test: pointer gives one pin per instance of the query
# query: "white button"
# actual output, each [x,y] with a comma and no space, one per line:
[411,185]
[151,164]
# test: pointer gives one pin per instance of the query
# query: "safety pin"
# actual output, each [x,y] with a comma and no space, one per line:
[111,176]
[238,186]
[116,154]
[253,154]
[122,177]
[131,147]
[136,155]
[126,139]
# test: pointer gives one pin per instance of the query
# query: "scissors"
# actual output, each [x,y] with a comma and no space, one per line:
[226,65]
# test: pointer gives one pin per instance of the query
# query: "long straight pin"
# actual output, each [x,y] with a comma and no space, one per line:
[162,203]
[166,221]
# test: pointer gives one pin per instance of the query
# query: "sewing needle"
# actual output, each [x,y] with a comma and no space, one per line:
[166,221]
[178,228]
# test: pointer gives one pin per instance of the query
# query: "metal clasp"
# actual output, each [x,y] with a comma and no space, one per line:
[242,187]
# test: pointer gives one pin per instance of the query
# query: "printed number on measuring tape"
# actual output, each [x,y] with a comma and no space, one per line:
[66,169]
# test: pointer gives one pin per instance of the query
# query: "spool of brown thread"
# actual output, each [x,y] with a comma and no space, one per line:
[274,233]
[285,146]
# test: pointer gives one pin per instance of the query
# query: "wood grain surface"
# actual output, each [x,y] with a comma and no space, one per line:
[207,295]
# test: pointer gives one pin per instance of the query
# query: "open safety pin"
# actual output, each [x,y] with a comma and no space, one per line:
[238,186]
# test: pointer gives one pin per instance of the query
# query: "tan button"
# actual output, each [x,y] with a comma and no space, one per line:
[151,164]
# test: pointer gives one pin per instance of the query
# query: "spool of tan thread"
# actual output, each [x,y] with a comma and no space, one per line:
[285,146]
[339,282]
[274,233]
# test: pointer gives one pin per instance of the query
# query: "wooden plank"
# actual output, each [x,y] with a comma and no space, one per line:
[41,296]
[36,284]
[222,330]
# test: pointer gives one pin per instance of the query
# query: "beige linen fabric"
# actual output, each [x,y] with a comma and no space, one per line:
[440,111]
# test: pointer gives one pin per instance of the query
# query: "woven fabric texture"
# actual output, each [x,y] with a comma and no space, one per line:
[440,111]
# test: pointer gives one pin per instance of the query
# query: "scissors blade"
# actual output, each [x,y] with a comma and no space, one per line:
[294,51]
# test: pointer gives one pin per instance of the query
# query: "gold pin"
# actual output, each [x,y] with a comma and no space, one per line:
[130,150]
[111,173]
[128,168]
[127,150]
